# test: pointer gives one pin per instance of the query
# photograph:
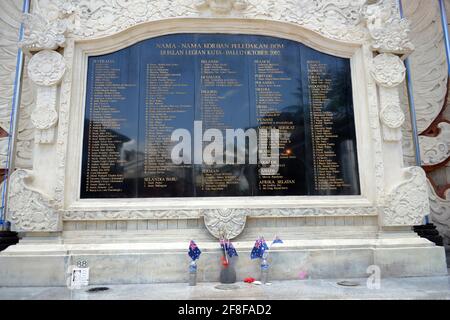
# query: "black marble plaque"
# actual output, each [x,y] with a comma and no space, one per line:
[138,97]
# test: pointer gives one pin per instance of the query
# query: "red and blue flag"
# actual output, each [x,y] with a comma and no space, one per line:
[277,240]
[230,249]
[259,248]
[194,251]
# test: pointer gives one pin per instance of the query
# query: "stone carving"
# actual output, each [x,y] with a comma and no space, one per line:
[440,212]
[428,61]
[10,18]
[335,19]
[349,20]
[130,215]
[41,33]
[435,150]
[221,6]
[44,115]
[313,212]
[30,210]
[392,116]
[388,70]
[408,203]
[227,223]
[389,32]
[46,69]
[75,215]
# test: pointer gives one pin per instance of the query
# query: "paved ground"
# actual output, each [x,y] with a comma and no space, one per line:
[394,288]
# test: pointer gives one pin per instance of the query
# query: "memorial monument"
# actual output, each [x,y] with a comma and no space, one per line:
[158,122]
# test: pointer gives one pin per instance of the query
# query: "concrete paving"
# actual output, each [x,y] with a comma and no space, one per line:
[392,288]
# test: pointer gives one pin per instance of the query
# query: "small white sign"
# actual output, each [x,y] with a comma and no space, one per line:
[79,277]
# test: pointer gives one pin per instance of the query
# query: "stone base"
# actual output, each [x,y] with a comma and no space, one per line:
[31,264]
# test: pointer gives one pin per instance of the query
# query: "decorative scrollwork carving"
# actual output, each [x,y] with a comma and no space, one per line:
[221,6]
[29,209]
[435,150]
[41,33]
[408,203]
[46,68]
[227,223]
[392,116]
[388,70]
[388,30]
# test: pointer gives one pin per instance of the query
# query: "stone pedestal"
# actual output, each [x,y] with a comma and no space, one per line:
[125,263]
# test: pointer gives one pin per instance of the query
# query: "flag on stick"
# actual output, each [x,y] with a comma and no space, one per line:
[194,251]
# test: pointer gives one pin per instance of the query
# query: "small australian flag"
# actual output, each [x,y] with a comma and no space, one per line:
[277,240]
[230,249]
[194,251]
[259,248]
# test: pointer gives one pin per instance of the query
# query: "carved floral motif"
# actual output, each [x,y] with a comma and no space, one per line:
[46,68]
[388,70]
[335,19]
[408,203]
[194,214]
[227,223]
[30,210]
[41,33]
[389,32]
[392,116]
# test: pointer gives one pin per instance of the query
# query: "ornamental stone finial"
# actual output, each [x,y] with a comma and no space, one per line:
[389,32]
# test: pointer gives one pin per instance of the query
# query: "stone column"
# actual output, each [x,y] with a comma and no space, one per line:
[31,205]
[405,202]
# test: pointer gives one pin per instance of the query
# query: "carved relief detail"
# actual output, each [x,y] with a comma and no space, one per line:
[391,115]
[99,215]
[389,32]
[228,223]
[221,6]
[408,203]
[388,70]
[346,20]
[46,69]
[435,150]
[78,215]
[30,210]
[42,33]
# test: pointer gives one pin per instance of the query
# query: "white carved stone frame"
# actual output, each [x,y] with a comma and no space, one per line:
[72,114]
